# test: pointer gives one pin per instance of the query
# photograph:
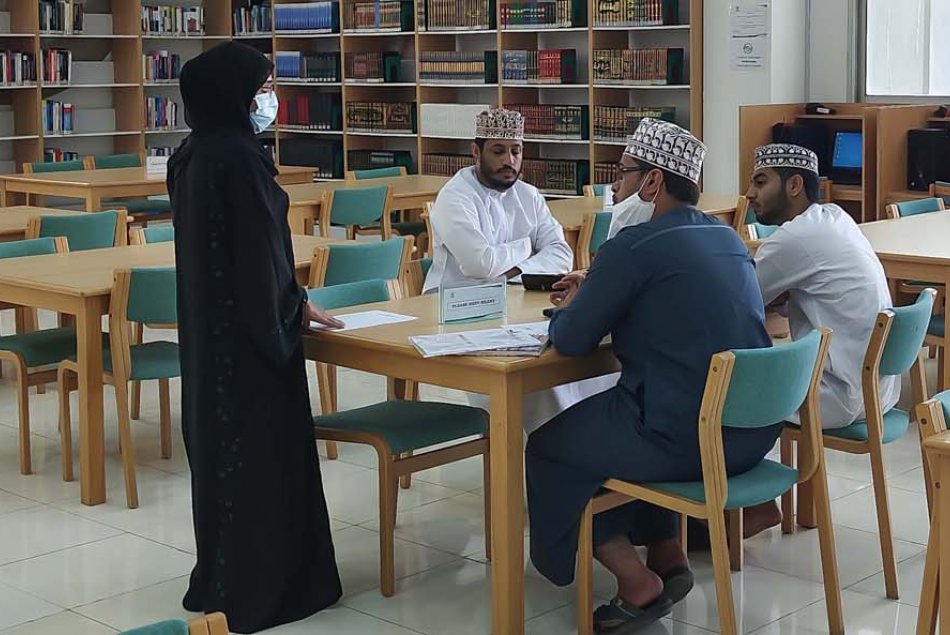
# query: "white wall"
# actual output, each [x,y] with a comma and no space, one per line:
[781,81]
[833,53]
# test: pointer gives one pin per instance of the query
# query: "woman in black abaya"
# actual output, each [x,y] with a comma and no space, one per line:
[265,555]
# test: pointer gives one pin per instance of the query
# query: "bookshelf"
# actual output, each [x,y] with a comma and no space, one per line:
[110,109]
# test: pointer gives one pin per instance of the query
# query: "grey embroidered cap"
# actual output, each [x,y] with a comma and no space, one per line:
[667,146]
[786,155]
[498,123]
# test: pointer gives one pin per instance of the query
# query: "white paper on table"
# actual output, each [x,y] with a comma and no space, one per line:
[467,342]
[365,320]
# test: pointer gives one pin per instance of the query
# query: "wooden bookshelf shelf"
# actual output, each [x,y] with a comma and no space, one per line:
[512,84]
[162,131]
[548,29]
[643,87]
[86,36]
[21,137]
[17,86]
[360,84]
[459,32]
[456,85]
[115,85]
[161,83]
[405,135]
[305,34]
[103,133]
[572,142]
[17,35]
[283,81]
[831,117]
[351,33]
[292,130]
[664,27]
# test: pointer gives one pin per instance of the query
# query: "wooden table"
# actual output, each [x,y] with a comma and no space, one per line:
[80,284]
[915,248]
[570,212]
[934,595]
[409,192]
[93,186]
[13,220]
[386,350]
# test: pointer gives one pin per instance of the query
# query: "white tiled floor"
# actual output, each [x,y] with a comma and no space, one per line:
[70,569]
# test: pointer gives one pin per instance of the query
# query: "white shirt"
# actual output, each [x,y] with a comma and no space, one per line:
[480,233]
[834,279]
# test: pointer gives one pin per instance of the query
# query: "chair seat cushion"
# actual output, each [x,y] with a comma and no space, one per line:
[766,481]
[936,327]
[409,425]
[41,348]
[895,425]
[142,205]
[153,360]
[409,228]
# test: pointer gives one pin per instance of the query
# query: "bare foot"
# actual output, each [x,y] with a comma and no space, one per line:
[636,584]
[666,556]
[757,519]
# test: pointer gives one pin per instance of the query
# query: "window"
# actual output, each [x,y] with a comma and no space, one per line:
[907,48]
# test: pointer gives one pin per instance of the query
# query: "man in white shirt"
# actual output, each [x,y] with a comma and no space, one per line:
[487,223]
[819,261]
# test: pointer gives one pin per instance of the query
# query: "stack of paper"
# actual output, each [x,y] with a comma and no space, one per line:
[521,340]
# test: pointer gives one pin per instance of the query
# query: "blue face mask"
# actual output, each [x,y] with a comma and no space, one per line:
[266,113]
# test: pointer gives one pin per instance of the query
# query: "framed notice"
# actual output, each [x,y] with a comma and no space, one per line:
[749,34]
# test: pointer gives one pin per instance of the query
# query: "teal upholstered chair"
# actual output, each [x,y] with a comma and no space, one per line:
[894,349]
[154,234]
[337,264]
[146,296]
[903,209]
[593,234]
[34,354]
[744,389]
[40,167]
[746,224]
[398,430]
[932,417]
[355,208]
[399,225]
[93,230]
[211,624]
[140,209]
[165,627]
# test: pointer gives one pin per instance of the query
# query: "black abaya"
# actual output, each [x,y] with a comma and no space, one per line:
[265,554]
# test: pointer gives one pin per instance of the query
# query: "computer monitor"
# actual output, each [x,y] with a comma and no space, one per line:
[846,159]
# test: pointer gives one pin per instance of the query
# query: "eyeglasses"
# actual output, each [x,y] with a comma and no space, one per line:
[621,170]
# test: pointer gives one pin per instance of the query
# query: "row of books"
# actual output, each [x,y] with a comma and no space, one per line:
[160,65]
[564,177]
[161,113]
[466,67]
[377,116]
[455,15]
[57,117]
[636,12]
[549,66]
[316,111]
[544,13]
[308,65]
[373,67]
[658,66]
[546,121]
[616,123]
[307,16]
[324,155]
[56,155]
[57,66]
[61,16]
[173,20]
[605,172]
[17,68]
[371,159]
[381,15]
[255,18]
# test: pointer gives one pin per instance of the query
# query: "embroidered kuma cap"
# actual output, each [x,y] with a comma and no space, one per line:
[498,123]
[786,155]
[667,146]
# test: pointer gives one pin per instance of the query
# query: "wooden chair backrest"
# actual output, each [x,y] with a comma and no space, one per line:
[212,624]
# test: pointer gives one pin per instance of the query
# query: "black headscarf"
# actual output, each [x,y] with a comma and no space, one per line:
[217,86]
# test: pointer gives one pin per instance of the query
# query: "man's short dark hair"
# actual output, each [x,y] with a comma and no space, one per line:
[678,187]
[480,142]
[809,178]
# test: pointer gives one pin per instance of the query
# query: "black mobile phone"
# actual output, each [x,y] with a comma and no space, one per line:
[548,312]
[540,281]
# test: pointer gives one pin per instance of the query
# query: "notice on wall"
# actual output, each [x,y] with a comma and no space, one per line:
[749,35]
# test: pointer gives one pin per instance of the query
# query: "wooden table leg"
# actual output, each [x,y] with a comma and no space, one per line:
[93,202]
[929,588]
[91,434]
[301,220]
[507,505]
[942,518]
[943,377]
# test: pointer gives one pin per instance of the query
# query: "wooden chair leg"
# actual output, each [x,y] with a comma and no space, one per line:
[165,416]
[930,587]
[879,483]
[486,495]
[941,380]
[734,532]
[327,403]
[405,481]
[65,423]
[829,558]
[788,498]
[138,334]
[721,574]
[125,443]
[585,573]
[931,351]
[684,535]
[388,493]
[806,502]
[23,404]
